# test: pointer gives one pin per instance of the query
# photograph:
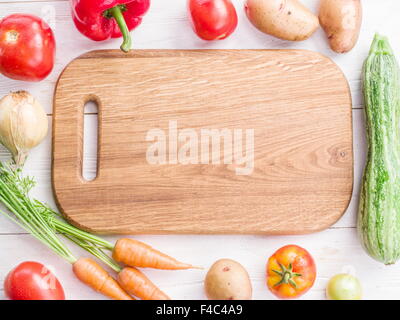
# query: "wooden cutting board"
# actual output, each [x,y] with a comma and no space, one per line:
[177,130]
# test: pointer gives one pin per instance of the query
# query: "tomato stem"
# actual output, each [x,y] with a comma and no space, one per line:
[287,275]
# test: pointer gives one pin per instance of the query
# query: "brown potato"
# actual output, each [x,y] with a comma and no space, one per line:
[284,19]
[341,21]
[228,280]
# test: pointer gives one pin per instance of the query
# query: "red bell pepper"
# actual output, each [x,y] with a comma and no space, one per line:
[101,20]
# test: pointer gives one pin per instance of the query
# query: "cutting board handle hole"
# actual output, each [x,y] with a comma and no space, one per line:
[90,141]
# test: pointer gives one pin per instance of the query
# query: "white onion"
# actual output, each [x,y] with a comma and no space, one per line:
[23,124]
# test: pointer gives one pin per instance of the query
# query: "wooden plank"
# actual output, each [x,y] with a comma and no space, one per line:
[39,166]
[295,103]
[166,27]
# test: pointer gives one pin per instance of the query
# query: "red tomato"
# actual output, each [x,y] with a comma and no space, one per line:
[32,281]
[212,19]
[291,272]
[27,48]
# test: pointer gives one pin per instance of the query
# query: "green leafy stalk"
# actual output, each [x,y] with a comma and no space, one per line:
[95,251]
[21,211]
[60,225]
[43,222]
[89,242]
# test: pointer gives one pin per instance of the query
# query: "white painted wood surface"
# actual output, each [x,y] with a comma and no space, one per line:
[166,26]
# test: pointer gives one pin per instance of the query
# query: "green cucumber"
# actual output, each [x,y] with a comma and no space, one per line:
[379,209]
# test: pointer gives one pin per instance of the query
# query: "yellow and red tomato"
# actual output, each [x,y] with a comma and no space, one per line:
[291,272]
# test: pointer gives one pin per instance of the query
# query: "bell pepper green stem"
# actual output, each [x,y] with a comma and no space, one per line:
[116,12]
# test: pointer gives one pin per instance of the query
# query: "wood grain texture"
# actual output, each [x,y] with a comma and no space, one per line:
[297,102]
[335,250]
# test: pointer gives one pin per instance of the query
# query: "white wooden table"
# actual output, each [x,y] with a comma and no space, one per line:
[165,27]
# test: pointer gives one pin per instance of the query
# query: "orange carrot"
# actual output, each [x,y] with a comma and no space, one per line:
[138,254]
[93,275]
[137,284]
